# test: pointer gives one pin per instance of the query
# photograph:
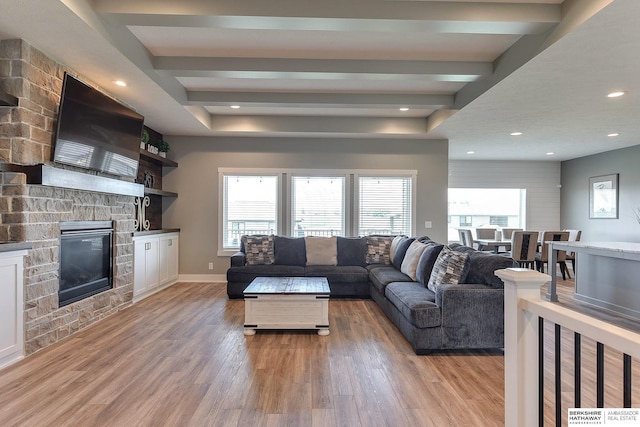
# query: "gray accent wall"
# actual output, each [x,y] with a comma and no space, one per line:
[575,195]
[195,210]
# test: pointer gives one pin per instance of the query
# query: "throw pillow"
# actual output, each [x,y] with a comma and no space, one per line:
[258,249]
[378,249]
[321,250]
[289,251]
[450,268]
[394,245]
[401,251]
[427,261]
[411,258]
[352,251]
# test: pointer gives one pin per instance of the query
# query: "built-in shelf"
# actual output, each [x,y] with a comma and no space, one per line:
[158,159]
[154,192]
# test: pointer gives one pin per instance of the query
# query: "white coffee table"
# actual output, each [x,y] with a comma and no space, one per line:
[287,303]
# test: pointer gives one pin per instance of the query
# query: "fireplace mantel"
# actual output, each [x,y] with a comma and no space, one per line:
[43,174]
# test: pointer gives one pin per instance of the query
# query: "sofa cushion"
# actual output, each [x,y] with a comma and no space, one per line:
[483,266]
[381,275]
[415,302]
[427,261]
[289,251]
[321,250]
[247,273]
[410,262]
[378,249]
[450,268]
[352,251]
[401,250]
[258,249]
[338,274]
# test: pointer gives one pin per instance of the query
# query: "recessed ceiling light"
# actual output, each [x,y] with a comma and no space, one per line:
[471,152]
[614,134]
[550,153]
[404,108]
[616,94]
[515,133]
[120,83]
[235,107]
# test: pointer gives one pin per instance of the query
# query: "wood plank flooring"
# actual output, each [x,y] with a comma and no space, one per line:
[180,358]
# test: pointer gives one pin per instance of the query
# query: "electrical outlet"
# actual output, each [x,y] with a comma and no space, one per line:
[210,266]
[428,224]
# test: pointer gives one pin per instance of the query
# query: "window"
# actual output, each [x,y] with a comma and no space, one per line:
[486,207]
[301,203]
[249,207]
[385,205]
[317,206]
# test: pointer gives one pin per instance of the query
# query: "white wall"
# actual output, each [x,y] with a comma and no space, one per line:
[540,179]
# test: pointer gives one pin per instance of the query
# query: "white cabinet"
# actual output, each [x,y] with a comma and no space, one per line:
[11,307]
[168,246]
[155,263]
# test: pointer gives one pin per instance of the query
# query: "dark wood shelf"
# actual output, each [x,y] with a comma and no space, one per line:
[154,192]
[158,159]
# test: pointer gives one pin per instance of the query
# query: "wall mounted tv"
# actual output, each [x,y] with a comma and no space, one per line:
[96,132]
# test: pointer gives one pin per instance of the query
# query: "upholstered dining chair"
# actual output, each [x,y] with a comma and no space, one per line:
[524,245]
[466,237]
[485,233]
[574,236]
[508,232]
[542,257]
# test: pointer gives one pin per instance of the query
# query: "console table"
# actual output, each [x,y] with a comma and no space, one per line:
[607,274]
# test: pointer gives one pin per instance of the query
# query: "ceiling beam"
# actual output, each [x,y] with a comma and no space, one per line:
[337,15]
[322,68]
[297,99]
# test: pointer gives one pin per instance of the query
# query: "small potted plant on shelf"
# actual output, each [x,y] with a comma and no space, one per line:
[144,139]
[163,148]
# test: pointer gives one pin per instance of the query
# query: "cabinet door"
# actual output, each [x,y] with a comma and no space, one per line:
[168,259]
[139,267]
[152,258]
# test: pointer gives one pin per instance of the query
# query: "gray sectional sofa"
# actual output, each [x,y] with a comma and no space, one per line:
[439,297]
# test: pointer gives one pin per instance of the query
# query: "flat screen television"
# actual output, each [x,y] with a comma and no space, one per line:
[96,132]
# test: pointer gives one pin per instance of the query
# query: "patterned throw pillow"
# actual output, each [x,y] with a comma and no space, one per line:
[258,249]
[379,250]
[451,268]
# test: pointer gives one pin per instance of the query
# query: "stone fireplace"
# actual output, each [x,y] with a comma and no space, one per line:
[32,212]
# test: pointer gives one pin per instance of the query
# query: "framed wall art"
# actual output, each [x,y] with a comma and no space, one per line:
[603,196]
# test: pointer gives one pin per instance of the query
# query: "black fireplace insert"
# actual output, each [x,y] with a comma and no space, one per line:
[86,259]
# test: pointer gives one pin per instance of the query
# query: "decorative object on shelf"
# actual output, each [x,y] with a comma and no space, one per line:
[603,196]
[163,147]
[144,139]
[141,223]
[152,148]
[149,179]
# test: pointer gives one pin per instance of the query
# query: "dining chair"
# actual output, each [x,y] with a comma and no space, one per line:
[574,236]
[485,233]
[466,237]
[524,245]
[542,257]
[508,232]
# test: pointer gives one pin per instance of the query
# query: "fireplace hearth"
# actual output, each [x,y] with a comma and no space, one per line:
[86,260]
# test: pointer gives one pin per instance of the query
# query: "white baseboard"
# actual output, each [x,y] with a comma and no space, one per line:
[220,278]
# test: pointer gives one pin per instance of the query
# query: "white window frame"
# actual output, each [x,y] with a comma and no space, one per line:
[284,197]
[413,174]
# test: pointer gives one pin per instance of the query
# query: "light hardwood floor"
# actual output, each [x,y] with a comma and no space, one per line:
[179,358]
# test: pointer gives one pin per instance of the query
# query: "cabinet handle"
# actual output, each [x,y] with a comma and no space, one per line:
[170,242]
[147,246]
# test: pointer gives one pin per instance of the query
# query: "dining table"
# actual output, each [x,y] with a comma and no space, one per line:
[493,244]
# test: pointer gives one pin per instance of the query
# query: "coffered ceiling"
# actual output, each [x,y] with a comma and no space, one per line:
[468,71]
